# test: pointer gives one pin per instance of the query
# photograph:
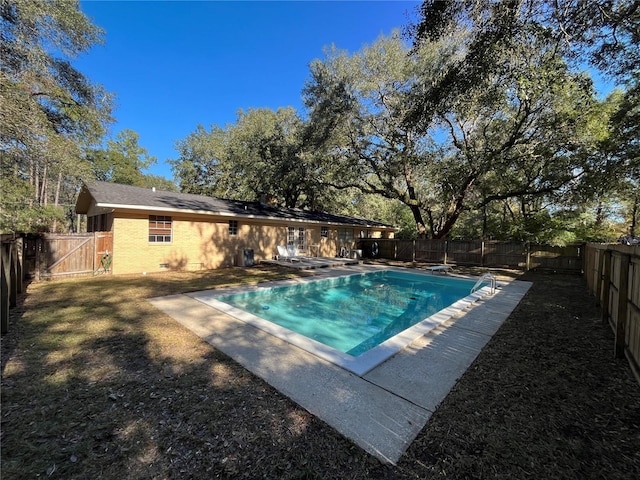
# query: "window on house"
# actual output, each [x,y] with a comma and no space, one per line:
[159,229]
[324,232]
[100,223]
[345,234]
[297,238]
[233,227]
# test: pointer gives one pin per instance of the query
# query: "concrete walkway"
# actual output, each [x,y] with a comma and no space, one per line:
[381,411]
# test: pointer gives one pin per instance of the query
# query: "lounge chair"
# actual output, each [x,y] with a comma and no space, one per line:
[288,254]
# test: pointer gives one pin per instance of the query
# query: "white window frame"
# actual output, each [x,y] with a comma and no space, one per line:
[163,234]
[345,235]
[297,236]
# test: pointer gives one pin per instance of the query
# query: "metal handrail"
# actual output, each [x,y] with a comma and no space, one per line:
[484,278]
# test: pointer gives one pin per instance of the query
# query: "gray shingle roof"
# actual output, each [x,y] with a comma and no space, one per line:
[114,195]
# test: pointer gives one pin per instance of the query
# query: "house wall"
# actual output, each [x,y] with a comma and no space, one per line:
[206,244]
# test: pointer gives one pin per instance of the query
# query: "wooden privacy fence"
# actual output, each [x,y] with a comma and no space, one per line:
[613,276]
[483,253]
[48,256]
[57,255]
[11,274]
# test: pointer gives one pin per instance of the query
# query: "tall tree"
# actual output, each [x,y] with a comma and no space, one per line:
[622,149]
[605,33]
[265,149]
[261,156]
[201,163]
[523,139]
[122,161]
[357,107]
[514,137]
[48,109]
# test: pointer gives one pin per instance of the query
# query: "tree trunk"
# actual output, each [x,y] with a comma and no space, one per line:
[56,200]
[599,213]
[36,182]
[417,216]
[452,218]
[634,217]
[414,205]
[58,186]
[448,224]
[43,192]
[484,222]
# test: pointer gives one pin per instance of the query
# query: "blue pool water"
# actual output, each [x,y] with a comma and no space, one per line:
[356,313]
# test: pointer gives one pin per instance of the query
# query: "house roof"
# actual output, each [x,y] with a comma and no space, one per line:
[116,196]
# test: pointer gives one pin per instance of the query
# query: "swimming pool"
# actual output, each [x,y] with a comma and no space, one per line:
[356,313]
[355,321]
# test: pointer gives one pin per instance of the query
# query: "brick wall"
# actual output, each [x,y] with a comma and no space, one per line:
[202,242]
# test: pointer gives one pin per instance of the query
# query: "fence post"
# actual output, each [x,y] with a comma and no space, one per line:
[413,253]
[94,264]
[527,252]
[482,254]
[446,248]
[5,287]
[606,284]
[20,264]
[599,273]
[13,273]
[38,257]
[623,296]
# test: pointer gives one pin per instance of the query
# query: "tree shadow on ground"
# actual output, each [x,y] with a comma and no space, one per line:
[99,384]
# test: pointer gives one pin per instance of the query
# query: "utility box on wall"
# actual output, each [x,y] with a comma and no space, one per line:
[245,258]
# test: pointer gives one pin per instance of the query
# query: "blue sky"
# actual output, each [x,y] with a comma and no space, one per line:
[174,65]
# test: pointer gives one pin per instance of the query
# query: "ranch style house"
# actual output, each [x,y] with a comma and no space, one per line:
[155,230]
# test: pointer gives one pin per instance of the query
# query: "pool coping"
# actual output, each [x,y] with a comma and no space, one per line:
[383,410]
[360,364]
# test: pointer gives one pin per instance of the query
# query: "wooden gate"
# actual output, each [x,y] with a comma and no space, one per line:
[56,255]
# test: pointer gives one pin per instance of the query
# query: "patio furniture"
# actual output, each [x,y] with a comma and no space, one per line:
[287,254]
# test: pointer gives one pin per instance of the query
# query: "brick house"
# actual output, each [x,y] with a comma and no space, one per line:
[155,230]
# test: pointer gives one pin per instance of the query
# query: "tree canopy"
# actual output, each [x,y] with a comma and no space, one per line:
[602,35]
[485,123]
[123,161]
[52,118]
[48,110]
[482,121]
[261,156]
[522,136]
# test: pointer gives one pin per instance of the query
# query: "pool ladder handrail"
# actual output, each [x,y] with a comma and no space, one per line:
[484,278]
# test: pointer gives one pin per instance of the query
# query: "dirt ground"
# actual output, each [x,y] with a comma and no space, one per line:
[141,397]
[545,398]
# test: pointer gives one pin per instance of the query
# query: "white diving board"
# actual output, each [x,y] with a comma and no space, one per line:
[440,268]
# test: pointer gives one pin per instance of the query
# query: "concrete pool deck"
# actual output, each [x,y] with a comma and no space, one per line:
[383,410]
